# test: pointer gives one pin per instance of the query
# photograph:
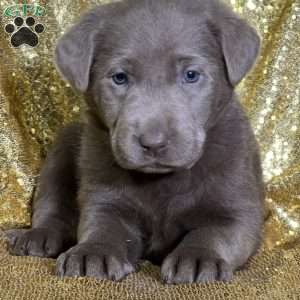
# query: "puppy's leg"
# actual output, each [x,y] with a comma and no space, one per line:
[212,252]
[109,245]
[55,215]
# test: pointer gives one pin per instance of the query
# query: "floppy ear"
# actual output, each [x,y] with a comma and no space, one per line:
[75,49]
[240,44]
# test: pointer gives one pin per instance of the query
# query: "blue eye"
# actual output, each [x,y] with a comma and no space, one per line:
[192,76]
[120,78]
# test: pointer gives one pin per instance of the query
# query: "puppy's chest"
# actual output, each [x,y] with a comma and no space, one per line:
[160,234]
[164,223]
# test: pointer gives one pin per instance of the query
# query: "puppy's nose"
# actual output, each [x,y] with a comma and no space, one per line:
[153,141]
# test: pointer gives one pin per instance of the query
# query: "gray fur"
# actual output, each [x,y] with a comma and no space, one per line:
[159,169]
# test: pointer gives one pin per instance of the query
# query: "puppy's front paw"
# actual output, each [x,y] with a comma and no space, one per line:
[188,265]
[93,261]
[35,242]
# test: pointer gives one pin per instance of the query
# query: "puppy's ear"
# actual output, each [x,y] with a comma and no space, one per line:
[240,44]
[75,50]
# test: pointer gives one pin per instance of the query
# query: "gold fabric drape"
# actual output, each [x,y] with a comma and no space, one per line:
[35,102]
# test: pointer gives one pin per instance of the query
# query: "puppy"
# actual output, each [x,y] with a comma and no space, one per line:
[164,166]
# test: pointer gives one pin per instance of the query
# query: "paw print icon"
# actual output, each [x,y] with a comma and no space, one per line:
[24,31]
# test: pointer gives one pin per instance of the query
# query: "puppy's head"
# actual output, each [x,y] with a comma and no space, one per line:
[158,74]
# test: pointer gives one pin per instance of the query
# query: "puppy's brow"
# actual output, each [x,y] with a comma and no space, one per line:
[188,58]
[123,62]
[205,62]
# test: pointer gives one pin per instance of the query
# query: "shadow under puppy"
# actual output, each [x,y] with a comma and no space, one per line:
[165,165]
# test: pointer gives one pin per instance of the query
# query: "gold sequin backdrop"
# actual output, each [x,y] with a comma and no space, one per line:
[35,103]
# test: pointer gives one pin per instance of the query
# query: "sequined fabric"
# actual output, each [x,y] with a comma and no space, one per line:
[35,102]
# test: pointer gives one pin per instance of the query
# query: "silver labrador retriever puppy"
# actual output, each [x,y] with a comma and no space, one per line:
[164,166]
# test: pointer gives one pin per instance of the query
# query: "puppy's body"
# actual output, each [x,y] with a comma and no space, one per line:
[164,167]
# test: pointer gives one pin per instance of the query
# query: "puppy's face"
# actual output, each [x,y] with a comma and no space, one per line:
[157,78]
[157,94]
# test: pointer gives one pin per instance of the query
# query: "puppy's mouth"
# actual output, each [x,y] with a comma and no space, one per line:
[152,165]
[157,168]
[131,156]
[161,168]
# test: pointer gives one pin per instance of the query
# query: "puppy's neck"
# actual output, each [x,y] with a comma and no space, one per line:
[91,118]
